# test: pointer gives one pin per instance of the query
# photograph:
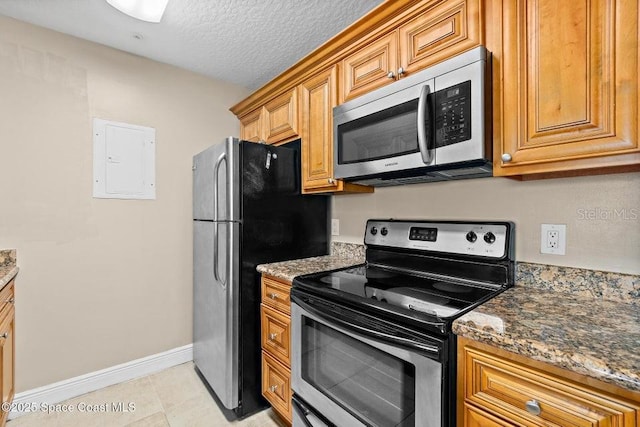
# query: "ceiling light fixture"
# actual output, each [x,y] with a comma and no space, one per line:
[144,10]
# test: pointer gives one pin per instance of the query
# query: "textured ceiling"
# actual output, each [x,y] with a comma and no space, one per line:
[246,42]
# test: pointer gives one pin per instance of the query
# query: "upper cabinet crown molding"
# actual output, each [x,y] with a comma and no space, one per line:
[331,52]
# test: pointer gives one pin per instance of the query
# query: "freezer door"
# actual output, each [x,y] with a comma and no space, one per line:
[216,307]
[215,182]
[269,171]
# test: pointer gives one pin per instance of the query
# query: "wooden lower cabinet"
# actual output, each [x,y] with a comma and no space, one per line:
[498,388]
[7,346]
[275,334]
[276,385]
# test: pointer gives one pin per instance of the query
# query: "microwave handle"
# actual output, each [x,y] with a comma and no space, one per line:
[424,140]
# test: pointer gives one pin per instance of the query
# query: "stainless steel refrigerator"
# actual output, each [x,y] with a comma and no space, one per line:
[247,210]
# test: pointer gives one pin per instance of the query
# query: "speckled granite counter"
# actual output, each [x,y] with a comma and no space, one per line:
[342,255]
[562,316]
[8,268]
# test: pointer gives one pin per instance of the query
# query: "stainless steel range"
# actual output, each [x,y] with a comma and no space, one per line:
[372,344]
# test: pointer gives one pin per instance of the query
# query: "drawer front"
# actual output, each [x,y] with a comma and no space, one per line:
[7,298]
[474,417]
[276,334]
[276,385]
[275,294]
[534,398]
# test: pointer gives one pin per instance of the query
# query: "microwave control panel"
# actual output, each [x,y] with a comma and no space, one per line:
[452,108]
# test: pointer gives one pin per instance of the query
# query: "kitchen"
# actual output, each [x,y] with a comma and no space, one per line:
[106,282]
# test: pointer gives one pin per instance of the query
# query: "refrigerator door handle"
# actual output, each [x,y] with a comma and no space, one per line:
[216,171]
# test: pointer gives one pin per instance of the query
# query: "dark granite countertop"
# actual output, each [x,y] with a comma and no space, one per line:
[342,255]
[8,268]
[555,320]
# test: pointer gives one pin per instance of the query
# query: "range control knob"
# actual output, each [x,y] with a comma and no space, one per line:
[384,231]
[374,231]
[489,237]
[471,237]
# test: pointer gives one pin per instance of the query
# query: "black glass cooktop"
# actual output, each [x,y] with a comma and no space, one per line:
[440,298]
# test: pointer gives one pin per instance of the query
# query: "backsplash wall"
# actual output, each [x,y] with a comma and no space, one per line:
[602,214]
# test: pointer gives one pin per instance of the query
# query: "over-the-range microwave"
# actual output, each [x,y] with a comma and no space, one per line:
[434,125]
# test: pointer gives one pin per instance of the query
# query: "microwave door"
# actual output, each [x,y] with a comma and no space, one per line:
[385,134]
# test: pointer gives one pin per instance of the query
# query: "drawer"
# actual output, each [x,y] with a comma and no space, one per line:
[276,385]
[7,298]
[276,334]
[530,397]
[275,294]
[475,417]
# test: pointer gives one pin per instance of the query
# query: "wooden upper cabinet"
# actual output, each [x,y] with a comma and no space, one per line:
[569,95]
[445,30]
[439,30]
[372,66]
[275,122]
[281,118]
[251,126]
[318,96]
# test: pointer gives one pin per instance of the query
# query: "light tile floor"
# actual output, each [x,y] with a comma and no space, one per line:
[175,397]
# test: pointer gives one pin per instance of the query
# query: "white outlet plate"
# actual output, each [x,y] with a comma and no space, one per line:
[553,239]
[335,227]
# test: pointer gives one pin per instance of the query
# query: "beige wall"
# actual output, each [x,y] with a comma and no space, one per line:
[102,282]
[609,242]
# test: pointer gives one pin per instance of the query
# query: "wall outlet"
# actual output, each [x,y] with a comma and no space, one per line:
[553,239]
[335,227]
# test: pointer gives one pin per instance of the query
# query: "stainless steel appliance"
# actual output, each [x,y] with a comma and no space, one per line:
[431,126]
[247,210]
[372,344]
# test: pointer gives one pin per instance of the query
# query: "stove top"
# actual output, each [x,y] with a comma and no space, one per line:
[427,272]
[417,293]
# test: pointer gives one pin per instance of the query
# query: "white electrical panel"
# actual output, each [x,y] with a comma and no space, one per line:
[123,161]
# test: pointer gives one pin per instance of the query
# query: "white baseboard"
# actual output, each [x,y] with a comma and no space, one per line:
[77,386]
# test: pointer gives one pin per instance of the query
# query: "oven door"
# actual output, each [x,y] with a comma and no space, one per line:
[359,372]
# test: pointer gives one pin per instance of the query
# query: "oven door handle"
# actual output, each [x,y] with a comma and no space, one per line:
[352,323]
[304,412]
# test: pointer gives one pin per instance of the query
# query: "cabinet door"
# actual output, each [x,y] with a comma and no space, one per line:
[569,98]
[251,126]
[529,397]
[7,354]
[370,67]
[276,386]
[281,118]
[318,96]
[449,28]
